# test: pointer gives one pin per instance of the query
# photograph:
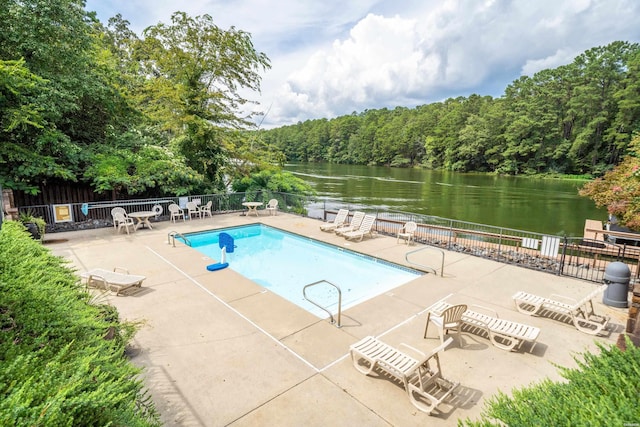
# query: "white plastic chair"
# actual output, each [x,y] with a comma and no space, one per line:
[272,206]
[206,210]
[123,221]
[193,209]
[176,212]
[450,319]
[115,210]
[407,231]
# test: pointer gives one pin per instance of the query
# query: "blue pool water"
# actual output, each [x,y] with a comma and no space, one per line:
[284,263]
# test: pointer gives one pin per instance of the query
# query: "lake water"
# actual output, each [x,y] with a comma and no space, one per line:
[539,205]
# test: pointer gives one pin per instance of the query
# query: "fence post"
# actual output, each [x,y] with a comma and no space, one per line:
[565,244]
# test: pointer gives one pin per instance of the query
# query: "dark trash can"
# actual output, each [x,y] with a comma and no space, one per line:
[617,276]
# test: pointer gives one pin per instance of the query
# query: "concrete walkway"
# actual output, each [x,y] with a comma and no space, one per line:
[218,349]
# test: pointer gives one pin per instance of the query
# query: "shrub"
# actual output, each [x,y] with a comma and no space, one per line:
[56,367]
[603,390]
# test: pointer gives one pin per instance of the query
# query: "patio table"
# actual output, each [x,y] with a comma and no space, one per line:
[142,218]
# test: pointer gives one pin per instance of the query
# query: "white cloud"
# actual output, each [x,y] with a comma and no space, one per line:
[560,57]
[334,57]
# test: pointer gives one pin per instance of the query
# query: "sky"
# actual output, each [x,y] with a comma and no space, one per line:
[334,57]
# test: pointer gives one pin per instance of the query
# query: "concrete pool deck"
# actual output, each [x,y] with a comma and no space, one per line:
[218,349]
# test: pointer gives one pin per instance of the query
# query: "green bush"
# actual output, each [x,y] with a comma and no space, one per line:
[56,366]
[604,390]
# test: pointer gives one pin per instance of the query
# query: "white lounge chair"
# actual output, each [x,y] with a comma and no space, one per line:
[356,220]
[338,221]
[407,232]
[176,212]
[272,207]
[581,312]
[449,318]
[117,280]
[421,376]
[123,221]
[366,229]
[504,334]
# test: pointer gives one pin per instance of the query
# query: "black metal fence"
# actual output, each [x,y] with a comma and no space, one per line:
[569,256]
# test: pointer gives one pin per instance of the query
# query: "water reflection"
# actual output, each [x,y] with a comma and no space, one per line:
[539,205]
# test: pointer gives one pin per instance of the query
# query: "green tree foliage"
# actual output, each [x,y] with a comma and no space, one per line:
[574,119]
[271,183]
[84,102]
[150,170]
[29,144]
[194,71]
[56,366]
[66,88]
[601,391]
[619,189]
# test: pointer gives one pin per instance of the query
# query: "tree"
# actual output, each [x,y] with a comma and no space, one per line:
[193,73]
[619,189]
[65,92]
[273,180]
[601,71]
[28,143]
[263,185]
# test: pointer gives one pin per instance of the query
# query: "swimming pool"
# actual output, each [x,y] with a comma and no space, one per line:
[284,263]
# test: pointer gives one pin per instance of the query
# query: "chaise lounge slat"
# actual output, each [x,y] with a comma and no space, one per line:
[581,312]
[422,380]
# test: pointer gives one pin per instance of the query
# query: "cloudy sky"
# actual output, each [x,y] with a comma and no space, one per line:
[334,57]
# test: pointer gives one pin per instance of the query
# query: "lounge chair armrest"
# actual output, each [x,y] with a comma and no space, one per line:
[489,311]
[413,349]
[120,270]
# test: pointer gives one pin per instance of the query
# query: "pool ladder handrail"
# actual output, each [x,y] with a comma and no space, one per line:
[171,238]
[406,257]
[304,293]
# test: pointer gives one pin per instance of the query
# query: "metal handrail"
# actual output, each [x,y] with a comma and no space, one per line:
[304,293]
[171,238]
[406,257]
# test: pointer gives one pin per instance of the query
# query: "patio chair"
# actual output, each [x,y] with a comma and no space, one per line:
[115,210]
[356,220]
[176,212]
[449,319]
[272,207]
[206,210]
[193,210]
[338,221]
[407,231]
[366,229]
[581,311]
[123,221]
[117,280]
[422,376]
